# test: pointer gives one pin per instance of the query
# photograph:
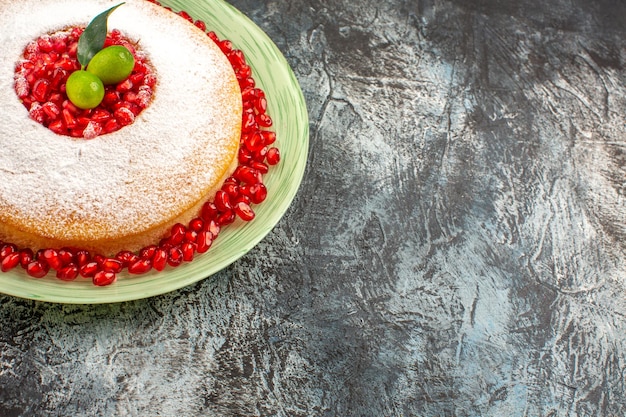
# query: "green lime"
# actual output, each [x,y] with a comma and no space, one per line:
[84,89]
[112,64]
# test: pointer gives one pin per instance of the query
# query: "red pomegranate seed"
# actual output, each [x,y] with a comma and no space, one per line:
[159,260]
[68,273]
[127,257]
[196,224]
[264,120]
[140,267]
[37,269]
[190,236]
[102,278]
[254,142]
[82,257]
[225,218]
[261,105]
[66,256]
[111,265]
[259,166]
[209,212]
[41,90]
[147,252]
[124,86]
[175,256]
[200,25]
[204,240]
[244,211]
[6,249]
[51,110]
[269,137]
[189,250]
[26,257]
[256,192]
[10,261]
[37,112]
[273,156]
[244,155]
[214,228]
[124,116]
[231,189]
[177,234]
[89,269]
[247,175]
[51,257]
[222,201]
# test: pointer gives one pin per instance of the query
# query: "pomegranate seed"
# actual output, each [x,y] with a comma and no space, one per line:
[185,16]
[244,156]
[204,240]
[82,257]
[273,156]
[196,225]
[259,166]
[124,86]
[189,250]
[111,265]
[201,25]
[209,212]
[89,269]
[254,142]
[68,273]
[26,257]
[124,116]
[247,175]
[102,278]
[44,43]
[140,267]
[175,256]
[147,252]
[222,201]
[51,110]
[177,234]
[231,189]
[127,257]
[41,89]
[261,105]
[159,260]
[37,269]
[214,228]
[264,120]
[190,236]
[269,137]
[66,256]
[226,217]
[256,192]
[226,46]
[37,112]
[10,261]
[51,257]
[244,211]
[6,249]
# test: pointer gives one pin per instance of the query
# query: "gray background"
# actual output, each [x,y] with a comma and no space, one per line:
[456,248]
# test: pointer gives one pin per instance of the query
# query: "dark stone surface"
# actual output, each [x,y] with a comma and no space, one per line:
[456,248]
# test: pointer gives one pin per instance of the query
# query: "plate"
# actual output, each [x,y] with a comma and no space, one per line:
[288,110]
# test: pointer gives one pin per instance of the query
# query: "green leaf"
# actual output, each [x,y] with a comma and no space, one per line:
[92,39]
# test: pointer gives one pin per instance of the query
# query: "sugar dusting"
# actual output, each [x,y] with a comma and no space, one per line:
[133,179]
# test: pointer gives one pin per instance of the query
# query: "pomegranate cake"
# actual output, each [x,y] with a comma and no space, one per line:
[101,171]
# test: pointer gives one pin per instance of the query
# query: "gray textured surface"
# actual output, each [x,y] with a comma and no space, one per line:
[456,248]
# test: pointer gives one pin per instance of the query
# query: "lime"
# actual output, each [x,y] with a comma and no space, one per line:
[112,64]
[84,89]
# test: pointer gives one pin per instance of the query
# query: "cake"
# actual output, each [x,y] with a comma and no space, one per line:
[169,178]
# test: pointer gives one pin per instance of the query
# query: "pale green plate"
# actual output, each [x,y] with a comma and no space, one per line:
[288,110]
